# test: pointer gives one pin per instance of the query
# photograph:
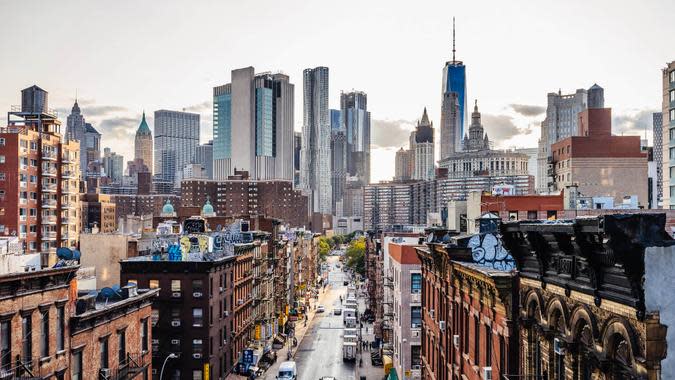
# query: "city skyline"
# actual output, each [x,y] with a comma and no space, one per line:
[113,92]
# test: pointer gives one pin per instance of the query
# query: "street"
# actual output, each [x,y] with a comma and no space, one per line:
[319,353]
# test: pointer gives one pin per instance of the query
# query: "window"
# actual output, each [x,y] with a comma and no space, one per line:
[513,215]
[60,327]
[121,346]
[416,355]
[416,282]
[2,159]
[27,332]
[33,162]
[672,95]
[104,353]
[154,315]
[416,316]
[32,212]
[476,345]
[197,346]
[2,176]
[197,317]
[2,141]
[44,335]
[154,284]
[672,118]
[144,335]
[466,331]
[532,215]
[76,365]
[196,374]
[6,345]
[488,346]
[197,286]
[175,285]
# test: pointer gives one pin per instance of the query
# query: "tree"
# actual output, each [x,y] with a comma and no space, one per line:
[324,248]
[355,255]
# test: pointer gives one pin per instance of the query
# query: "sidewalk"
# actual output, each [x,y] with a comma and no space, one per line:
[368,335]
[300,331]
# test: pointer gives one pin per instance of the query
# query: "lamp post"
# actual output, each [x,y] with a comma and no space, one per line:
[170,356]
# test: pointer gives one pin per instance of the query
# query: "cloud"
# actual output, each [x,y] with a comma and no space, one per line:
[98,111]
[528,110]
[121,128]
[203,107]
[633,123]
[391,133]
[502,127]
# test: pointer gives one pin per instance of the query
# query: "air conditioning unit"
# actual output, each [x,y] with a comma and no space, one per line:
[487,373]
[224,342]
[175,294]
[175,323]
[559,346]
[155,341]
[197,355]
[415,333]
[153,323]
[414,325]
[455,341]
[416,367]
[197,294]
[240,301]
[441,325]
[226,313]
[431,313]
[104,372]
[175,341]
[221,289]
[154,371]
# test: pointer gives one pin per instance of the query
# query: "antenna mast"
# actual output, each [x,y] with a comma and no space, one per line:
[453,39]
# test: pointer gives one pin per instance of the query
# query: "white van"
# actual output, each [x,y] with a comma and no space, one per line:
[287,371]
[348,313]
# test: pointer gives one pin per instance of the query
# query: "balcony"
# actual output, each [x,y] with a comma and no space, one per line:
[68,174]
[49,155]
[66,220]
[49,203]
[49,187]
[67,205]
[49,235]
[69,189]
[49,219]
[67,159]
[49,172]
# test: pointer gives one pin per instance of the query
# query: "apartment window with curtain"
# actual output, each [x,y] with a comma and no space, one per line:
[197,317]
[144,335]
[121,346]
[416,282]
[104,353]
[44,335]
[6,345]
[60,328]
[26,344]
[76,366]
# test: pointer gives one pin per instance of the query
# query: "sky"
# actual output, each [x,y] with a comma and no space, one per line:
[123,57]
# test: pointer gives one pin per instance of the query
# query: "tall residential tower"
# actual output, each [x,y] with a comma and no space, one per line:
[315,175]
[356,121]
[668,112]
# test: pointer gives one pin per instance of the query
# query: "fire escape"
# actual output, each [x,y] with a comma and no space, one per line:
[388,316]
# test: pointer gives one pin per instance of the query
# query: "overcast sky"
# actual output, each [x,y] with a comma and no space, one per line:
[123,57]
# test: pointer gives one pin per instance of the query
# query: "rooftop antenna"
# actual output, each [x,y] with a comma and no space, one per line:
[453,39]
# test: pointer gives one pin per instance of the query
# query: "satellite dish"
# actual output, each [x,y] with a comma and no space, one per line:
[76,254]
[108,293]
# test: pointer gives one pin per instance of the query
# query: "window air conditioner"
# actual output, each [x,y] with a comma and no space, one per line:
[175,323]
[175,294]
[197,294]
[197,356]
[455,341]
[175,341]
[558,346]
[441,325]
[487,373]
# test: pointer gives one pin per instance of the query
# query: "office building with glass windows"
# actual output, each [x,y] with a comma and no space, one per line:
[176,137]
[668,114]
[253,126]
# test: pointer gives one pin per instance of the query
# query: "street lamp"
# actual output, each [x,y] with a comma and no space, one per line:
[170,356]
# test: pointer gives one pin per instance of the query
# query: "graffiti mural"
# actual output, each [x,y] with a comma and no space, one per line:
[487,250]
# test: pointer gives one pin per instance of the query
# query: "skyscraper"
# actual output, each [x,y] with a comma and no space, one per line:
[253,126]
[204,157]
[143,144]
[668,111]
[178,132]
[402,165]
[453,103]
[297,147]
[424,149]
[560,123]
[113,164]
[338,149]
[89,138]
[657,121]
[356,120]
[315,155]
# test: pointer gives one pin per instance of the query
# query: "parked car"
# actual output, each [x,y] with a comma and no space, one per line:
[320,309]
[337,311]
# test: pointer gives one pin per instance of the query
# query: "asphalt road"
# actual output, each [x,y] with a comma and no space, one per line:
[320,352]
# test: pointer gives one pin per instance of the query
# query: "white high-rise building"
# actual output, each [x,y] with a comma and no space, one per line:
[176,132]
[315,176]
[253,126]
[425,162]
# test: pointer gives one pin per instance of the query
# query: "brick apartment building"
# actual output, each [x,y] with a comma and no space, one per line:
[599,164]
[195,314]
[469,314]
[39,178]
[48,332]
[243,298]
[240,195]
[100,211]
[142,204]
[594,297]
